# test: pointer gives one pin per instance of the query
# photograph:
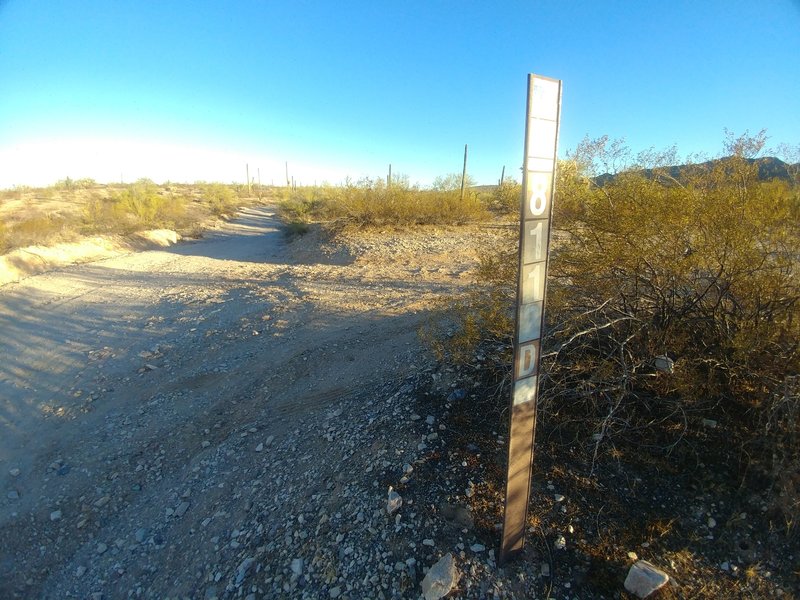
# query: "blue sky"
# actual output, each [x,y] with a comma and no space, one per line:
[193,90]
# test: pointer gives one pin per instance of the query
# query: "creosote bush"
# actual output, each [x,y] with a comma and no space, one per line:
[696,269]
[371,202]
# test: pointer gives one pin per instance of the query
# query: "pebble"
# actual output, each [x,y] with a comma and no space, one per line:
[477,547]
[259,448]
[182,508]
[14,472]
[560,543]
[55,515]
[297,566]
[13,495]
[80,571]
[394,501]
[140,534]
[101,548]
[335,592]
[712,522]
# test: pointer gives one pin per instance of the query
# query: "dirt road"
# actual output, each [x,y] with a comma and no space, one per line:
[179,422]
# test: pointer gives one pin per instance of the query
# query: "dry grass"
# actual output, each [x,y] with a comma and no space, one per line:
[371,203]
[74,208]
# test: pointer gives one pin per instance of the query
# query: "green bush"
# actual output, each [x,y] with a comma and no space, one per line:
[221,199]
[700,268]
[139,206]
[373,203]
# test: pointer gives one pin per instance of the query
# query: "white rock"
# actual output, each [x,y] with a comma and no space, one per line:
[259,448]
[440,579]
[712,522]
[645,578]
[79,572]
[430,419]
[55,515]
[560,543]
[477,547]
[335,592]
[14,472]
[428,542]
[297,566]
[394,501]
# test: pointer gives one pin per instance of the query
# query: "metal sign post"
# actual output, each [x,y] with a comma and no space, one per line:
[538,183]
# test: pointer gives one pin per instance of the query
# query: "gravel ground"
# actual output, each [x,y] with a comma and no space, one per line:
[229,418]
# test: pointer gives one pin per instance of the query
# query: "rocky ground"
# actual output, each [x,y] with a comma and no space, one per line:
[249,417]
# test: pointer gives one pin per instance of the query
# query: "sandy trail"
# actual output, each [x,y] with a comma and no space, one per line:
[118,377]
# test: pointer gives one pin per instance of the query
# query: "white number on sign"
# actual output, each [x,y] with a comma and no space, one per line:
[527,360]
[534,245]
[538,201]
[532,283]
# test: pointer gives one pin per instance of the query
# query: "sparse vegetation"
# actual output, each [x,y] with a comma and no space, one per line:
[371,202]
[71,208]
[669,375]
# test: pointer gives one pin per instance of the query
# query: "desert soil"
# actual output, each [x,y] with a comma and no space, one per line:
[223,418]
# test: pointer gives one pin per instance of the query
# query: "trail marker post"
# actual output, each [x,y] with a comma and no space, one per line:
[538,182]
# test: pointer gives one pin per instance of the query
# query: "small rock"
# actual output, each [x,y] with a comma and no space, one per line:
[633,556]
[710,423]
[457,395]
[394,501]
[297,566]
[430,420]
[206,444]
[664,364]
[14,472]
[182,508]
[645,578]
[560,543]
[80,571]
[477,547]
[558,498]
[428,542]
[712,522]
[55,515]
[440,579]
[102,501]
[335,592]
[545,569]
[140,534]
[259,448]
[101,548]
[726,566]
[13,495]
[244,567]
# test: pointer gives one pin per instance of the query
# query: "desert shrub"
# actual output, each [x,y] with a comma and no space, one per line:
[37,229]
[139,206]
[506,197]
[221,199]
[373,203]
[668,295]
[3,235]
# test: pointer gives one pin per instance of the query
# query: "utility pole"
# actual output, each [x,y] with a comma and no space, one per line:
[258,170]
[502,175]
[389,177]
[249,189]
[287,173]
[464,173]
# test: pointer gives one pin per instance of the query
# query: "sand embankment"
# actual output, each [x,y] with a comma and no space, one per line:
[24,262]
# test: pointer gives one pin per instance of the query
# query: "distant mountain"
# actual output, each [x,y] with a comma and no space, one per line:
[769,168]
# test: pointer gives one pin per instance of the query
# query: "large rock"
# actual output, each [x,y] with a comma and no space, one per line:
[441,578]
[645,578]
